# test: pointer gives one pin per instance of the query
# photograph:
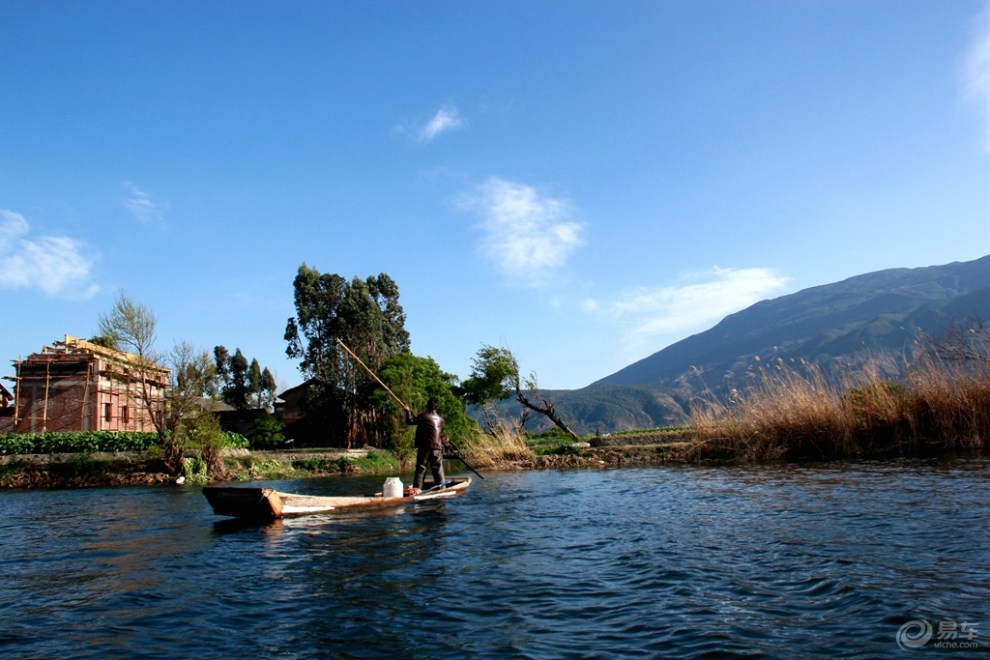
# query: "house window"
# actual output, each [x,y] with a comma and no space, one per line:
[123,415]
[108,412]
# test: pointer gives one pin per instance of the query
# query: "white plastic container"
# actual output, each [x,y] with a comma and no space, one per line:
[392,487]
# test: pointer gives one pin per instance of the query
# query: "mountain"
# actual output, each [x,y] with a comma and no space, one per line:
[609,408]
[882,319]
[878,317]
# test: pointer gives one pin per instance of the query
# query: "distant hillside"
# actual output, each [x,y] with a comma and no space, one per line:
[607,408]
[877,317]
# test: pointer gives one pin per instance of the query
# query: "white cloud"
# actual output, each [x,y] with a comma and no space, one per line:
[651,314]
[143,206]
[977,72]
[53,264]
[446,119]
[526,235]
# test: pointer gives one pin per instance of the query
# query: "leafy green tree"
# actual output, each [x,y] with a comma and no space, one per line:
[221,358]
[494,374]
[415,380]
[254,381]
[236,394]
[367,317]
[266,393]
[495,377]
[268,433]
[243,384]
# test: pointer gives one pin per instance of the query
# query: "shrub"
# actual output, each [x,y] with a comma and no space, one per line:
[232,440]
[377,460]
[268,433]
[195,470]
[204,434]
[68,443]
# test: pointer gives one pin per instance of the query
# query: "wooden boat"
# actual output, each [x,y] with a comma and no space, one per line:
[268,503]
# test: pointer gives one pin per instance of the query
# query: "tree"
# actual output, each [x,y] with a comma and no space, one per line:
[494,372]
[365,315]
[966,342]
[221,358]
[178,417]
[495,377]
[254,382]
[266,395]
[131,327]
[415,380]
[194,372]
[204,434]
[237,394]
[243,384]
[193,377]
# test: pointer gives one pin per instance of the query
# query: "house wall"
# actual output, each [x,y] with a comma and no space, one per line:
[6,420]
[52,396]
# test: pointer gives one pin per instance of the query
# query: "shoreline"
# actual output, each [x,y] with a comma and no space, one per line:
[129,469]
[122,469]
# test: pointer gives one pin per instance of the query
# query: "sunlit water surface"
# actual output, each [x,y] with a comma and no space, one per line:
[680,562]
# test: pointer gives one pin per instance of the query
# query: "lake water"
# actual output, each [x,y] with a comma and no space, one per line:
[797,561]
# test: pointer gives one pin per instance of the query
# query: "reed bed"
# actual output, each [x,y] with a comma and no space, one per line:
[800,414]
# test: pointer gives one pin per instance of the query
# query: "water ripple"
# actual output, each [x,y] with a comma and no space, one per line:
[686,562]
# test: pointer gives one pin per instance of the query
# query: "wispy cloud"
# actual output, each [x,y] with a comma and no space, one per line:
[143,206]
[977,71]
[700,300]
[55,265]
[446,119]
[526,235]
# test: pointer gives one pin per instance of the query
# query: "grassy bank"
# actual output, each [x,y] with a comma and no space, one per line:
[484,453]
[145,468]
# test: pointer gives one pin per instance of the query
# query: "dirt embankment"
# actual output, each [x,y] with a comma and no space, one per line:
[72,471]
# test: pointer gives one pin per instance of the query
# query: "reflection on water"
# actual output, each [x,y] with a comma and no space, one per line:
[679,561]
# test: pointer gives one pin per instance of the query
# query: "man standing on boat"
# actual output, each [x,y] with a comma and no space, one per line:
[429,443]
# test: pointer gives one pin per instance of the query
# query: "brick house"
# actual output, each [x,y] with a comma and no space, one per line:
[76,385]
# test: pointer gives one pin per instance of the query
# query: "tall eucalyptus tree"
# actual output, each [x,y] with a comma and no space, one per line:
[364,314]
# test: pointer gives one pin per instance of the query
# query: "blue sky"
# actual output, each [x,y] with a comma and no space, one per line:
[583,183]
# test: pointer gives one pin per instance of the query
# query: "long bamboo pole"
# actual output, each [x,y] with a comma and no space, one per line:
[371,373]
[455,451]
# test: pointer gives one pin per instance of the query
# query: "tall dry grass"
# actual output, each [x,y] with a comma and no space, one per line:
[501,449]
[791,414]
[951,403]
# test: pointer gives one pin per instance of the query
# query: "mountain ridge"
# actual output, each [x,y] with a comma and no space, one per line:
[825,321]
